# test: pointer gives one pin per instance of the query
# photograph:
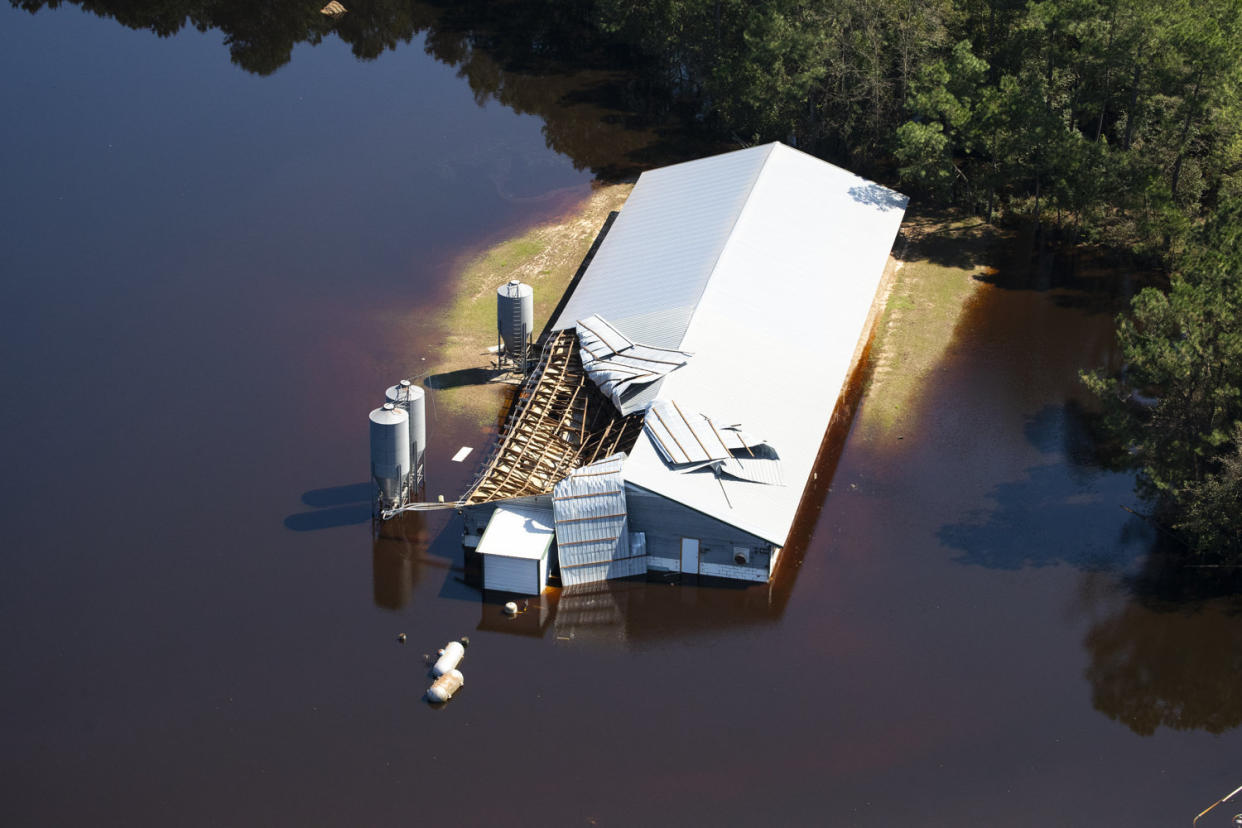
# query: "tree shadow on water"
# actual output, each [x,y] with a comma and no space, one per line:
[1067,511]
[1090,279]
[1049,518]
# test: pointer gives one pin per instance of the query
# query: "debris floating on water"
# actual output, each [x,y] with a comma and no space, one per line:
[450,657]
[511,608]
[401,637]
[333,9]
[443,688]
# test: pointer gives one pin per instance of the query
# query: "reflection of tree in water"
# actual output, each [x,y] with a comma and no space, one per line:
[538,57]
[1159,661]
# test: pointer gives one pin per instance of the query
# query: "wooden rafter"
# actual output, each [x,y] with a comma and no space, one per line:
[559,422]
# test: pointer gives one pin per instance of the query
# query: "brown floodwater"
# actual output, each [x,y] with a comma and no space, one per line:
[209,277]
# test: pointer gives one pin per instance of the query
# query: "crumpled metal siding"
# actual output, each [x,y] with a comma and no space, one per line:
[592,525]
[618,365]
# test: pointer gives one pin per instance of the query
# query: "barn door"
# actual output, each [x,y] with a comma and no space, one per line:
[690,555]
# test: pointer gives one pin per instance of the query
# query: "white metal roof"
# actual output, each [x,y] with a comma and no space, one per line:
[650,270]
[517,532]
[764,264]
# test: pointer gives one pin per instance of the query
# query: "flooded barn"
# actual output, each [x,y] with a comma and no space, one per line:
[683,388]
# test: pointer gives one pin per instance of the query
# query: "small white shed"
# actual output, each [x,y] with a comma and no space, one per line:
[515,547]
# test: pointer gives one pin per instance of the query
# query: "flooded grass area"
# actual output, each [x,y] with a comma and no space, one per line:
[941,257]
[546,257]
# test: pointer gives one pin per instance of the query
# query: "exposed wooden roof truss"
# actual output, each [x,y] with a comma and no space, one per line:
[558,422]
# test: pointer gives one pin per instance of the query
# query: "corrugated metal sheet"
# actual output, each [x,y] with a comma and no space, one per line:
[619,366]
[760,464]
[592,526]
[651,269]
[683,437]
[600,339]
[695,442]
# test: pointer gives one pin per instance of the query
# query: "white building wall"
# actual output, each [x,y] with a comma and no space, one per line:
[525,576]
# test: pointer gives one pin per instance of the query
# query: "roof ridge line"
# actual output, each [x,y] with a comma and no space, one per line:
[698,300]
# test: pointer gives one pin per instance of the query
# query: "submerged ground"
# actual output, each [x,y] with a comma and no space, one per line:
[211,277]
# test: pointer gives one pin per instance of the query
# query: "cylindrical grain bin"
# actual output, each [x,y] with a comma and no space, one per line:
[390,453]
[408,396]
[515,317]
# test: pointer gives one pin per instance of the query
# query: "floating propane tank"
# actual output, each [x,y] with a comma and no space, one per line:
[443,688]
[450,657]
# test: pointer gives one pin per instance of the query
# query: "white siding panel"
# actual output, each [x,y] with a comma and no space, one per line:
[519,575]
[737,573]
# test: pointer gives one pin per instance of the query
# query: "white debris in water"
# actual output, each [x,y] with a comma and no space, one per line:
[462,454]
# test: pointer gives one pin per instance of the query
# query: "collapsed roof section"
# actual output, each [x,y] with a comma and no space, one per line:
[558,422]
[685,438]
[693,441]
[620,366]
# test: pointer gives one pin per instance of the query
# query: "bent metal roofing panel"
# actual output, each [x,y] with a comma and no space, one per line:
[591,522]
[779,256]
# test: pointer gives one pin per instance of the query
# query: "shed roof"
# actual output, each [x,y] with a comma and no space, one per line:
[517,532]
[764,264]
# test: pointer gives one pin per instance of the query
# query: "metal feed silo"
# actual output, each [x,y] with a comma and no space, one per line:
[390,453]
[515,318]
[408,396]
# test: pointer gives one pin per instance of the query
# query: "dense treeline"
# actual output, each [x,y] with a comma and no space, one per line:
[1116,121]
[1115,118]
[1178,402]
